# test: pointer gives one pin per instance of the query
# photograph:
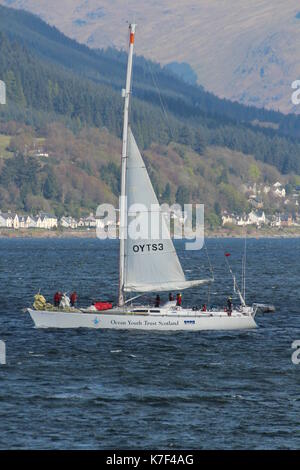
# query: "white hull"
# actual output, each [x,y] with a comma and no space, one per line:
[168,320]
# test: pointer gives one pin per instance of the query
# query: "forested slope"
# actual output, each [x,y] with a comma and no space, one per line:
[54,83]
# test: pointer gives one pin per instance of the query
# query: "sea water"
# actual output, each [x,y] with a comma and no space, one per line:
[90,389]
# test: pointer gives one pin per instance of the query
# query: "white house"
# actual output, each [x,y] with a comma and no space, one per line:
[90,221]
[228,218]
[276,221]
[278,190]
[23,221]
[256,218]
[41,154]
[9,220]
[38,222]
[5,220]
[68,222]
[30,222]
[242,220]
[48,221]
[16,222]
[80,223]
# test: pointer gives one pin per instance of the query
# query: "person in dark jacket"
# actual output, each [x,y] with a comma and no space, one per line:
[229,305]
[157,301]
[171,297]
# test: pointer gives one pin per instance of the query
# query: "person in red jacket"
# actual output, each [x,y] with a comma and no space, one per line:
[73,299]
[178,300]
[57,298]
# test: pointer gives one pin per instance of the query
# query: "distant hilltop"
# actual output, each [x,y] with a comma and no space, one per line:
[246,52]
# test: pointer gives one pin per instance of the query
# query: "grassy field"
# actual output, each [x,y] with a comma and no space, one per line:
[4,142]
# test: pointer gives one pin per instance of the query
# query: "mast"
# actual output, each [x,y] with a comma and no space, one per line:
[123,208]
[244,271]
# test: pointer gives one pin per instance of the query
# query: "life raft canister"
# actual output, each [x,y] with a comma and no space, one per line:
[100,306]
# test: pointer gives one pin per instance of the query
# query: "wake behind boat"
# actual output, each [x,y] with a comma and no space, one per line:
[145,265]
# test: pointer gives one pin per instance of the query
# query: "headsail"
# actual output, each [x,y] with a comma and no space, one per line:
[151,263]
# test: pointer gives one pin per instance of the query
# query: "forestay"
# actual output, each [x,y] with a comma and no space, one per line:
[151,262]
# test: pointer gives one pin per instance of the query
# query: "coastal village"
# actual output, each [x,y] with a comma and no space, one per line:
[251,197]
[45,221]
[285,211]
[257,217]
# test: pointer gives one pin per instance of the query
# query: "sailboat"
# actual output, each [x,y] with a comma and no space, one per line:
[146,265]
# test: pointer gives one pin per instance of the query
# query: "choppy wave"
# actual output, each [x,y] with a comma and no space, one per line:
[106,389]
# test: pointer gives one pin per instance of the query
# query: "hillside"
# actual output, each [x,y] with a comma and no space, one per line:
[108,67]
[243,51]
[83,170]
[65,99]
[86,89]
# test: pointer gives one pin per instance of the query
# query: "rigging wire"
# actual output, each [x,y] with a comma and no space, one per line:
[235,284]
[209,262]
[167,120]
[244,260]
[211,272]
[245,263]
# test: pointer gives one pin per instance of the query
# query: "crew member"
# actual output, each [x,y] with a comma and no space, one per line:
[57,298]
[178,300]
[171,297]
[229,305]
[204,308]
[157,301]
[73,299]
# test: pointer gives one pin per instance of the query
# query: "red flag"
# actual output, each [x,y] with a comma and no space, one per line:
[227,255]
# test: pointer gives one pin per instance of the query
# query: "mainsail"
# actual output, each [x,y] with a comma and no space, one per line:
[151,262]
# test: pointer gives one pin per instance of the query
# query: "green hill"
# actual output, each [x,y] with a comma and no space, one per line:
[58,87]
[188,103]
[83,170]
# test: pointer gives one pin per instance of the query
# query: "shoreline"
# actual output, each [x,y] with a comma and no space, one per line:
[292,232]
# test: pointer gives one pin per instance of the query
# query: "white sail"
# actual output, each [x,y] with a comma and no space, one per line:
[151,262]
